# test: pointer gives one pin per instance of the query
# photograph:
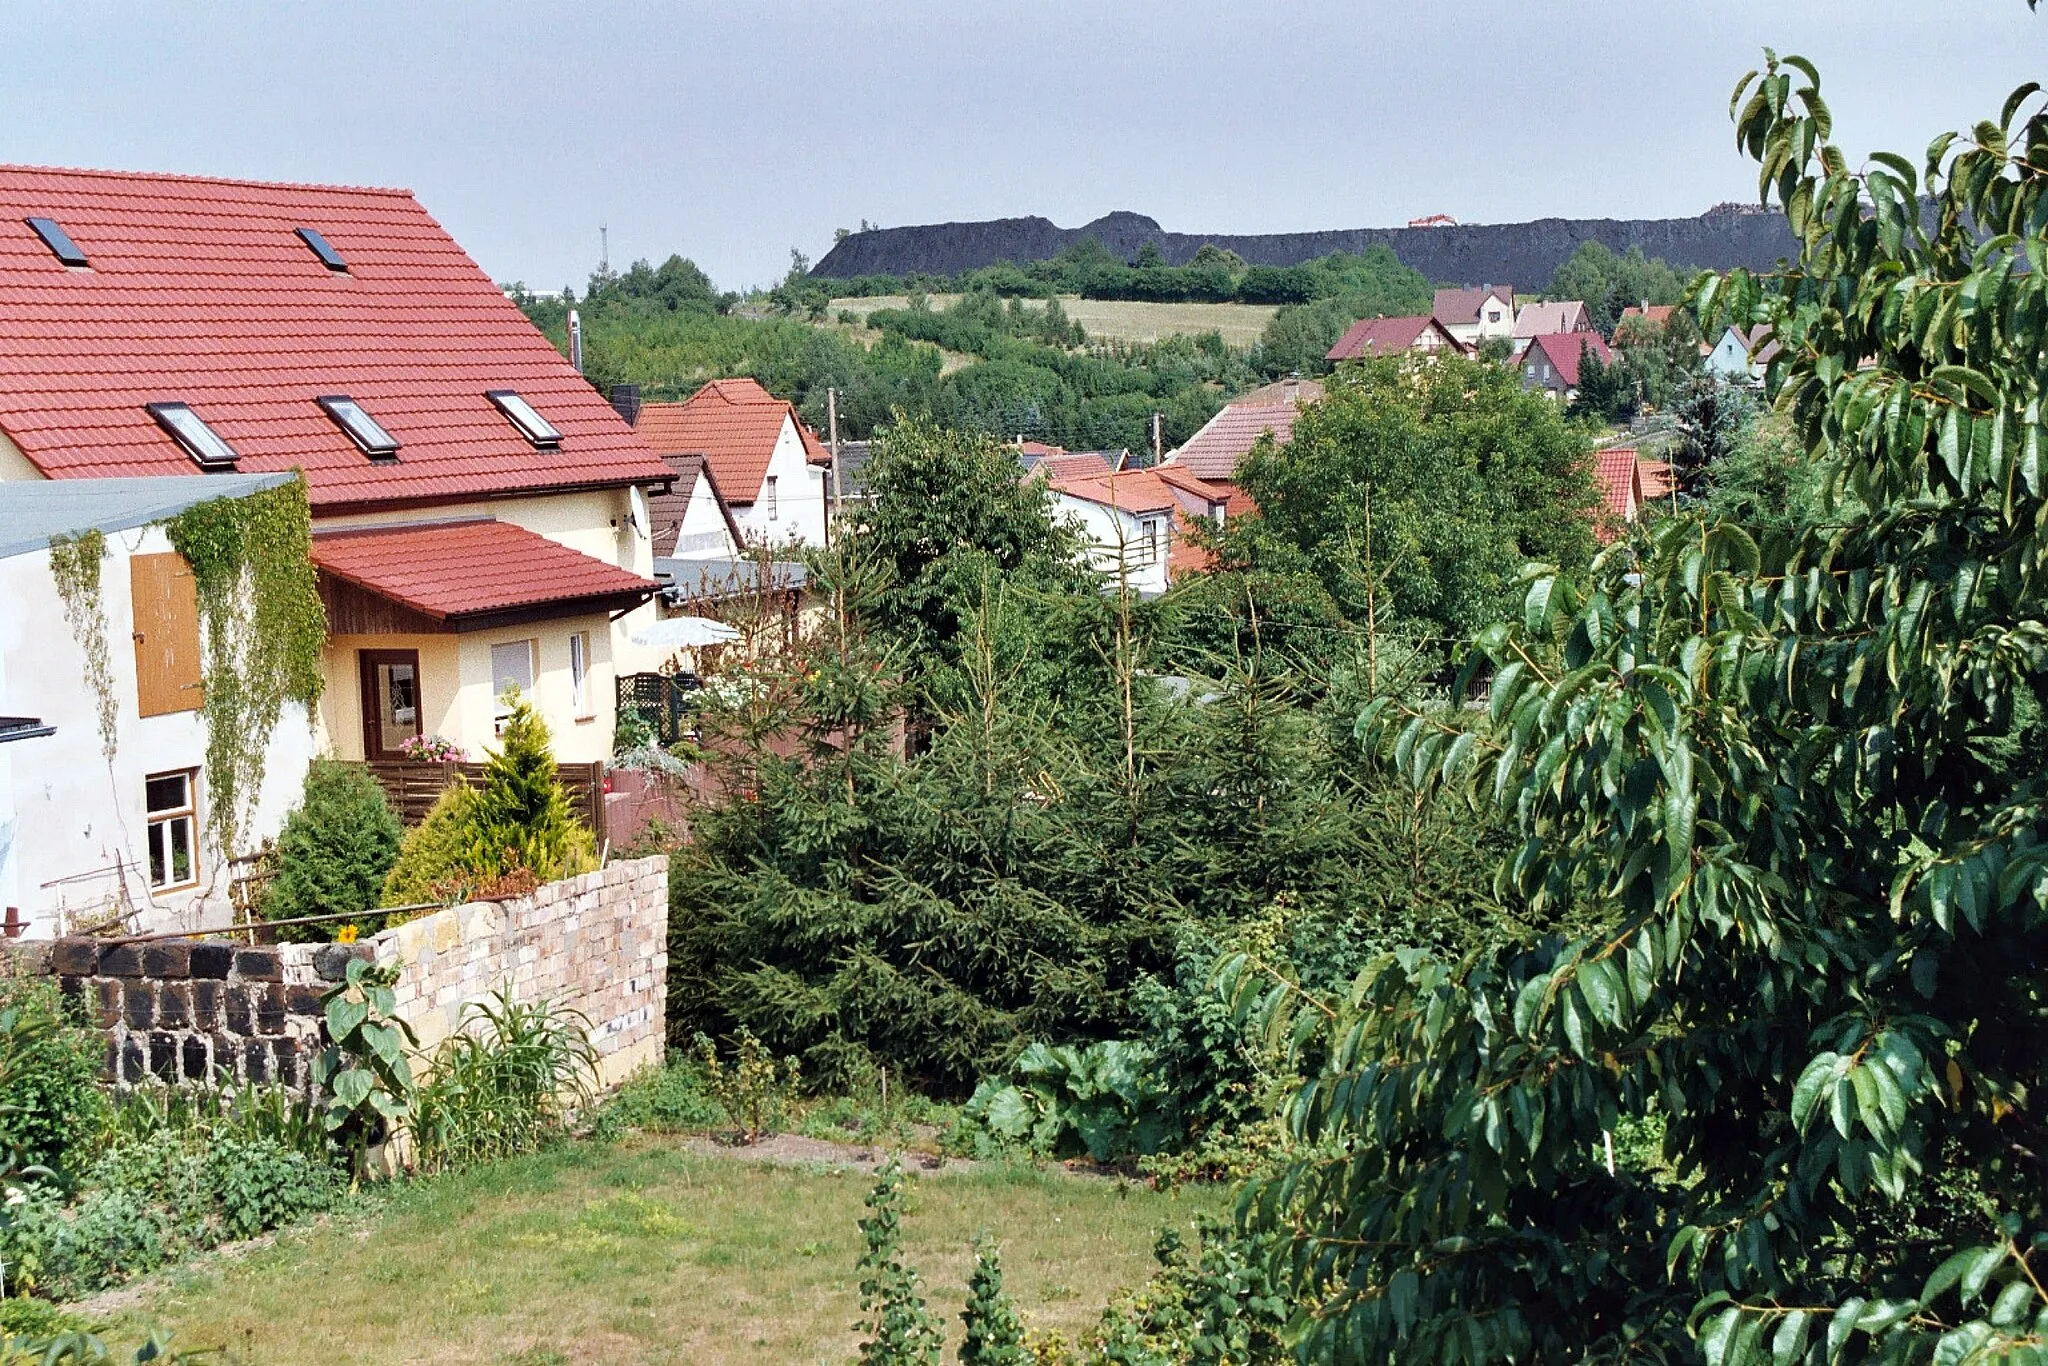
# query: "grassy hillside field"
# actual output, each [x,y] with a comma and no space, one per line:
[650,1252]
[1239,324]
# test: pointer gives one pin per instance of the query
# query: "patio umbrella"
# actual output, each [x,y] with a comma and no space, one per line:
[684,632]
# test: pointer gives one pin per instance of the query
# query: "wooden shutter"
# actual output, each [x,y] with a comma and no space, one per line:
[166,634]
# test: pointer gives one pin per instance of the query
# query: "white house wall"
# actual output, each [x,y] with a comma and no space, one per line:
[1108,533]
[799,497]
[75,819]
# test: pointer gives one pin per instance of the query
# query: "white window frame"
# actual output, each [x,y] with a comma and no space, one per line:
[768,497]
[160,822]
[579,675]
[1148,535]
[500,711]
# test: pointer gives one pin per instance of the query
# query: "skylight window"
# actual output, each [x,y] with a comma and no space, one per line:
[522,415]
[58,241]
[199,440]
[329,257]
[362,429]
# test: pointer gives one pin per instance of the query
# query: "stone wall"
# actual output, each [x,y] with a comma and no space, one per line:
[596,944]
[177,1010]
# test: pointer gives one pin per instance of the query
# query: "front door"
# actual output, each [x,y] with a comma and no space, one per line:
[391,701]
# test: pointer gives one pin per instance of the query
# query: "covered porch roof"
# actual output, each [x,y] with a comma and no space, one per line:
[462,576]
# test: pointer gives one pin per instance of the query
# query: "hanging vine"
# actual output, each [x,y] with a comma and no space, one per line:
[75,564]
[264,629]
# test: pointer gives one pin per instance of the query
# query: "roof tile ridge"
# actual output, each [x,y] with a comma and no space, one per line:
[194,178]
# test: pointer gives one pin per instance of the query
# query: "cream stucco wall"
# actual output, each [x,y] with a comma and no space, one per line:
[457,695]
[73,827]
[13,464]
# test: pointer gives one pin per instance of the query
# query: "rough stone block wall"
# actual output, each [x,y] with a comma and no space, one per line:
[176,1011]
[179,1011]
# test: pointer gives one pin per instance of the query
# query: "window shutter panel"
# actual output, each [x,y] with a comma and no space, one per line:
[166,602]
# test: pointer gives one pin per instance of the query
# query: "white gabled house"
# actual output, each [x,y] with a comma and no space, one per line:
[770,469]
[89,839]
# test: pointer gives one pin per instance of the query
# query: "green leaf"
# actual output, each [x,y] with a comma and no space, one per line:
[353,1087]
[1789,1342]
[344,1016]
[1812,1084]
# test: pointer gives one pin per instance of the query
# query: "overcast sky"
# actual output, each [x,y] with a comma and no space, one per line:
[730,132]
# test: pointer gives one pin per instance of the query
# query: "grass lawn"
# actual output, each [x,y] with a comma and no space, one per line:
[645,1251]
[1240,324]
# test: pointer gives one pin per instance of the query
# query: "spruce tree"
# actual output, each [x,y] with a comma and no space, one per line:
[995,1334]
[901,1330]
[334,850]
[522,817]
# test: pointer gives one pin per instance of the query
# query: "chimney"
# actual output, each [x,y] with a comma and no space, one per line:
[626,402]
[575,342]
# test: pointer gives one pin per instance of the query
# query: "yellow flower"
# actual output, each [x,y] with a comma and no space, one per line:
[346,935]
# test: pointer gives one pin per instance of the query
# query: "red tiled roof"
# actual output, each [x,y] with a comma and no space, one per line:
[1657,479]
[1621,490]
[1564,315]
[463,569]
[1369,337]
[200,292]
[1074,465]
[1185,479]
[1463,305]
[1656,313]
[1225,439]
[734,424]
[1039,448]
[1564,349]
[1129,490]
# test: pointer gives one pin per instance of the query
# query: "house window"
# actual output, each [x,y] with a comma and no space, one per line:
[768,496]
[173,829]
[511,674]
[1149,529]
[1493,315]
[579,673]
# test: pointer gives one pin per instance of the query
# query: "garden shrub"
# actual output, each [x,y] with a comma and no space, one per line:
[501,838]
[669,1099]
[51,1107]
[335,850]
[432,857]
[522,817]
[1105,1100]
[255,1184]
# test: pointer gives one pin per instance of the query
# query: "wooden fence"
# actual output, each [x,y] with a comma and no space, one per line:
[412,788]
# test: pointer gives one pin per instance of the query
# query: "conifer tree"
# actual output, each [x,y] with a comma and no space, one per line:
[522,817]
[334,849]
[901,1329]
[995,1334]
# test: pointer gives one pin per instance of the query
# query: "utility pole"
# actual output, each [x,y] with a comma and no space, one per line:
[604,249]
[838,492]
[1158,451]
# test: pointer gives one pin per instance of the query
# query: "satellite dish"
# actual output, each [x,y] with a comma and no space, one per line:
[636,509]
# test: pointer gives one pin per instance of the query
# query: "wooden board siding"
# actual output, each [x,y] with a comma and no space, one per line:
[353,611]
[166,603]
[413,788]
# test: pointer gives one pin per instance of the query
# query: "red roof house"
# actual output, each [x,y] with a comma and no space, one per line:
[211,294]
[770,468]
[173,325]
[1139,519]
[1371,337]
[1552,360]
[1215,451]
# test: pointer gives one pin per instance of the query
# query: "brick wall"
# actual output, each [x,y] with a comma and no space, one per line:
[181,1010]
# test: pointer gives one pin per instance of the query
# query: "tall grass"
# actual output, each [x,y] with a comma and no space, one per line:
[505,1082]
